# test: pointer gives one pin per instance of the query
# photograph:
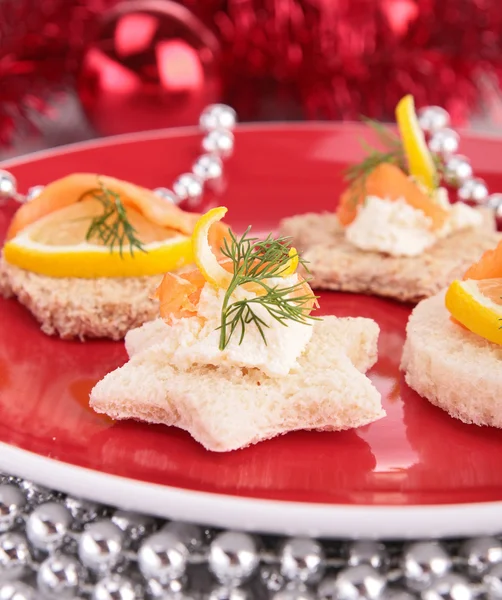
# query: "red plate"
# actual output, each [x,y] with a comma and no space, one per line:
[416,456]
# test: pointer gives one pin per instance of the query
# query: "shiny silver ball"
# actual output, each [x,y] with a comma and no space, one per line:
[272,578]
[83,511]
[189,187]
[173,590]
[433,118]
[100,545]
[448,587]
[229,593]
[217,116]
[367,552]
[12,502]
[132,524]
[116,587]
[166,195]
[457,169]
[494,201]
[8,185]
[353,583]
[17,590]
[14,555]
[444,142]
[59,576]
[189,535]
[301,559]
[163,557]
[233,557]
[208,167]
[220,142]
[48,525]
[423,562]
[294,592]
[34,191]
[492,581]
[35,494]
[480,554]
[473,190]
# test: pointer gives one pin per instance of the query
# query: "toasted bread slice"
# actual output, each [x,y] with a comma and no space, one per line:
[229,408]
[71,307]
[338,265]
[453,368]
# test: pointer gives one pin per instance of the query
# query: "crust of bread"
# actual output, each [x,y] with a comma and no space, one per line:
[230,408]
[451,367]
[336,264]
[82,308]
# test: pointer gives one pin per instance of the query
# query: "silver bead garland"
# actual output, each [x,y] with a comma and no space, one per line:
[68,548]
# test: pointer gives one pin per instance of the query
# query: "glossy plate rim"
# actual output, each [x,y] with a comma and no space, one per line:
[236,512]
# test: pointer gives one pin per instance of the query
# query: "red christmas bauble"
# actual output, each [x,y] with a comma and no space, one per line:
[153,64]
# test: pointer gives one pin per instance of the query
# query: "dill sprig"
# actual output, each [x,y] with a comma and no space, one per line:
[112,227]
[255,261]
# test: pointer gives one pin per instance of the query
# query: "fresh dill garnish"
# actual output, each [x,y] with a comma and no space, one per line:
[255,262]
[112,227]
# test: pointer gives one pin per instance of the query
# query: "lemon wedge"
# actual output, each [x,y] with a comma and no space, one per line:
[477,305]
[204,257]
[420,163]
[56,246]
[292,265]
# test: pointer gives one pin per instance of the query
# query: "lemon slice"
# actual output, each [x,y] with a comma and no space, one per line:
[476,304]
[292,265]
[420,162]
[204,257]
[55,246]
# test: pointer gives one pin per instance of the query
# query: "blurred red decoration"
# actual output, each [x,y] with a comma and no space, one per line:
[153,64]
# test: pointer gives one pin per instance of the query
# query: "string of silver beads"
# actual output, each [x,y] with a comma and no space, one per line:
[54,546]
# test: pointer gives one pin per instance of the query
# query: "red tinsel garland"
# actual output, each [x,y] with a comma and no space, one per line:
[282,58]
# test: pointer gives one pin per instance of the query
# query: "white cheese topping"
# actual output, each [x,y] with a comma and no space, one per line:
[196,339]
[398,229]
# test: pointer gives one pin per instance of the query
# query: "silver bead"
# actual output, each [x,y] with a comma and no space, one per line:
[494,201]
[209,168]
[457,169]
[189,535]
[272,578]
[433,118]
[100,546]
[162,556]
[480,554]
[223,592]
[16,590]
[166,195]
[294,592]
[301,559]
[423,562]
[444,142]
[59,576]
[473,190]
[232,557]
[48,525]
[132,524]
[83,511]
[353,583]
[367,552]
[116,587]
[35,494]
[448,587]
[219,141]
[12,502]
[14,556]
[173,590]
[189,187]
[34,191]
[8,185]
[217,116]
[493,582]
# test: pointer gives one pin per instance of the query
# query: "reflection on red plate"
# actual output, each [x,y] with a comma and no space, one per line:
[417,455]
